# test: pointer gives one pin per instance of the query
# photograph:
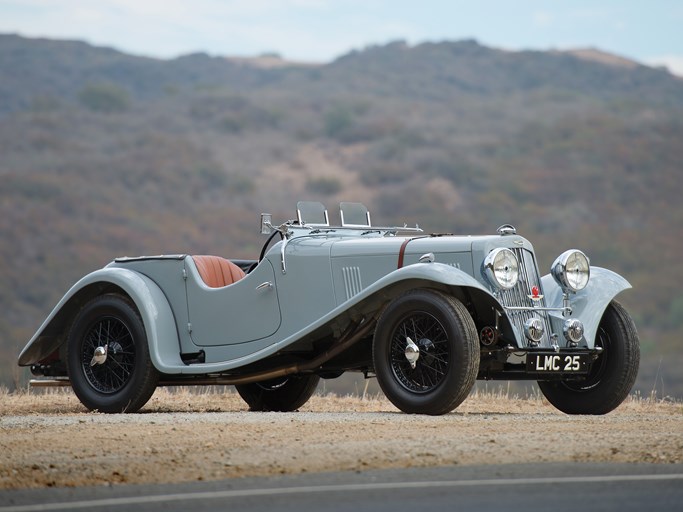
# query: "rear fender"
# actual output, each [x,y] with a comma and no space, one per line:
[157,317]
[589,304]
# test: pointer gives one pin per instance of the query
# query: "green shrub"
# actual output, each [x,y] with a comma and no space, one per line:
[104,97]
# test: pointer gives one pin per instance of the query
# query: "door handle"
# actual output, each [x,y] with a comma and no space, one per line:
[265,285]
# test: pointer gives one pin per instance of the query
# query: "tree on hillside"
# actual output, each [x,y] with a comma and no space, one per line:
[104,97]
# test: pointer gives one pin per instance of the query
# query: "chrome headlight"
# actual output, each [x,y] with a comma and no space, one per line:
[502,268]
[571,270]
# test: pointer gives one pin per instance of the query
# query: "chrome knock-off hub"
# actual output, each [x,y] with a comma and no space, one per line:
[412,352]
[100,355]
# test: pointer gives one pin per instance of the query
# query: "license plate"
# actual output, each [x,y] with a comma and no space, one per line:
[557,363]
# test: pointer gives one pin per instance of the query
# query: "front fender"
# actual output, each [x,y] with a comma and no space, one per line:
[437,273]
[589,304]
[156,313]
[390,286]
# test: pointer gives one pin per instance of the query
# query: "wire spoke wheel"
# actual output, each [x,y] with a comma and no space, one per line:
[116,371]
[426,352]
[107,355]
[434,356]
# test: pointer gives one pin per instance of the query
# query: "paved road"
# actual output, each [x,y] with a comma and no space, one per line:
[524,488]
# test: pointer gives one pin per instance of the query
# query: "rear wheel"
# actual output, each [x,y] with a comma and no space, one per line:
[280,395]
[426,352]
[612,375]
[108,358]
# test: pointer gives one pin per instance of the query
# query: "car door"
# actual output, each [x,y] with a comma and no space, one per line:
[245,311]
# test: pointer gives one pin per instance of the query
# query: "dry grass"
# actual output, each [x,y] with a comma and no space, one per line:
[220,399]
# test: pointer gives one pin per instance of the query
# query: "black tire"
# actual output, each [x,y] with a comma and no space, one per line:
[612,375]
[279,395]
[126,380]
[448,362]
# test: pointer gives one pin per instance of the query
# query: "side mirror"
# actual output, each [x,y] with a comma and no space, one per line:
[266,224]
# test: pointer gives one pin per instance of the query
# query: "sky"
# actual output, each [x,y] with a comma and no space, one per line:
[650,32]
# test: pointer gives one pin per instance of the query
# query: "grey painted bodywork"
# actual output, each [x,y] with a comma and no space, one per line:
[152,304]
[589,304]
[330,280]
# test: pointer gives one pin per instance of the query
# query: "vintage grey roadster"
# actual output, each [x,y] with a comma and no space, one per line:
[426,314]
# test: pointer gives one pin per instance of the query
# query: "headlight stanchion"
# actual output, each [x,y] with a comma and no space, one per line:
[572,271]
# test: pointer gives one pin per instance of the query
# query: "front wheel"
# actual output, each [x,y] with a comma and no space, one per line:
[108,358]
[426,352]
[612,375]
[279,395]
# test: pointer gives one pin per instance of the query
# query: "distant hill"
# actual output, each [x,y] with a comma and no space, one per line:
[593,54]
[466,67]
[105,154]
[41,68]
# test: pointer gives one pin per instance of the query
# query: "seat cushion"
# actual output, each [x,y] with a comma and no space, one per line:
[217,272]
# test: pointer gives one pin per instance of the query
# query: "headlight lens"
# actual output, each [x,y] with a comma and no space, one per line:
[502,268]
[571,270]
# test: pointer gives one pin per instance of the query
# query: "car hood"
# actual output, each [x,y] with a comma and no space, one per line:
[415,244]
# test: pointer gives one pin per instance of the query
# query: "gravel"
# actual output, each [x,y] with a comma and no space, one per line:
[51,441]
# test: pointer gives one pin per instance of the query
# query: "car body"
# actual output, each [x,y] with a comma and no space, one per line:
[427,314]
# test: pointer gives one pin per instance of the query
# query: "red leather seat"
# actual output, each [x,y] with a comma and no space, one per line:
[217,272]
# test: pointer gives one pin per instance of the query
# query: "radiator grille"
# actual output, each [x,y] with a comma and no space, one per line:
[519,297]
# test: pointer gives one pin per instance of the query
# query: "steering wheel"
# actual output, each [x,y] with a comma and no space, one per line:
[265,246]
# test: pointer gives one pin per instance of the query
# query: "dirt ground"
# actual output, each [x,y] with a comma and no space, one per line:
[49,439]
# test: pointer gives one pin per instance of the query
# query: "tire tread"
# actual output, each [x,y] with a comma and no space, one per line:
[608,393]
[133,399]
[442,401]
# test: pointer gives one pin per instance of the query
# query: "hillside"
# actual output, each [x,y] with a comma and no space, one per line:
[105,154]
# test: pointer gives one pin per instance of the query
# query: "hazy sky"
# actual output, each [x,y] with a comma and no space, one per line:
[320,30]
